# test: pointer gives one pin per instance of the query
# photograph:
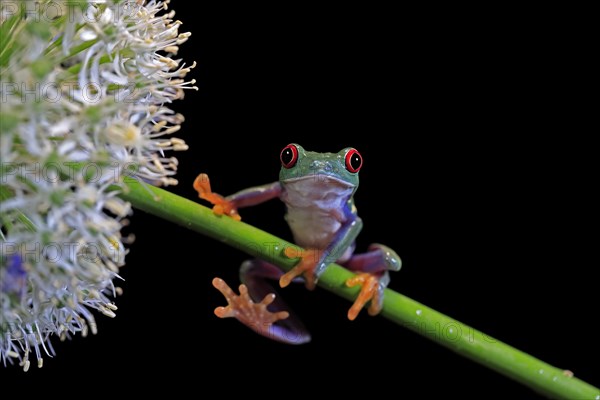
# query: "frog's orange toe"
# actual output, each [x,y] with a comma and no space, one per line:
[292,252]
[224,312]
[202,184]
[370,290]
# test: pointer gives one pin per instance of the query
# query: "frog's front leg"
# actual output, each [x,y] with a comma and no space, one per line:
[270,316]
[313,262]
[373,277]
[230,204]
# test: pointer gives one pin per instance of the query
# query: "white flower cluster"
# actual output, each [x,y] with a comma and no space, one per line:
[82,107]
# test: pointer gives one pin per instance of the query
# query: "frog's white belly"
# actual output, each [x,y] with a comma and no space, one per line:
[312,229]
[315,209]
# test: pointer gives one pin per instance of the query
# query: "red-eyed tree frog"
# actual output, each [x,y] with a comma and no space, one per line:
[317,189]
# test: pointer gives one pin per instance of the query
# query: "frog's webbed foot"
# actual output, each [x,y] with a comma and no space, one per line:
[373,277]
[371,290]
[256,316]
[306,266]
[221,206]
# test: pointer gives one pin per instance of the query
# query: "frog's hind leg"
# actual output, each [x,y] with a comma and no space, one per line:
[373,276]
[259,307]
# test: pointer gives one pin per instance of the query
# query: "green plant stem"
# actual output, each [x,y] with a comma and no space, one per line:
[463,339]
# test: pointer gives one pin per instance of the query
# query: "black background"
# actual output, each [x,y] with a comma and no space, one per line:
[468,174]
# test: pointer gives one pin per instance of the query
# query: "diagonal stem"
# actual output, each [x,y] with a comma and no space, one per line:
[446,331]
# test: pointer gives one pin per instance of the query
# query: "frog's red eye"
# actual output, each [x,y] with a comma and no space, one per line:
[353,160]
[289,156]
